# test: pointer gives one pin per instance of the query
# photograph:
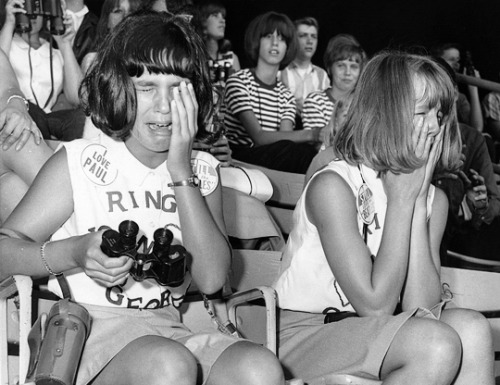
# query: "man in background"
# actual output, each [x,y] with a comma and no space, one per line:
[301,76]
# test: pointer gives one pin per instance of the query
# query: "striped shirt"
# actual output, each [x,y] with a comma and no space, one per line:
[271,104]
[301,85]
[318,109]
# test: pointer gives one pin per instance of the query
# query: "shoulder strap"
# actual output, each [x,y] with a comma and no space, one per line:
[63,283]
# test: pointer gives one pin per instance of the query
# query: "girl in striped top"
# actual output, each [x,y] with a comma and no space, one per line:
[259,109]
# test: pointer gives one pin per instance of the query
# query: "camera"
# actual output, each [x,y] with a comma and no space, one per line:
[49,9]
[219,72]
[166,263]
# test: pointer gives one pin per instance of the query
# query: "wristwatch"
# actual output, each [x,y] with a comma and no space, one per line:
[192,181]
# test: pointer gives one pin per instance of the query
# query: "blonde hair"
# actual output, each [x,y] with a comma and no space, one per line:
[379,124]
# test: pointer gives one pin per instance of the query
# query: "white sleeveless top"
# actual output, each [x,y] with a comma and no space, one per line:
[109,186]
[306,282]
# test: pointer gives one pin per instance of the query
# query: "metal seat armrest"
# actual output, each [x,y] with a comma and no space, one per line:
[260,292]
[22,285]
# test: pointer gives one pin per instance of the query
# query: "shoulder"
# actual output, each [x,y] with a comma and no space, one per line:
[317,96]
[319,70]
[239,78]
[328,193]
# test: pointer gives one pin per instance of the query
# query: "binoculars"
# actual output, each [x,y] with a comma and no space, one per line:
[166,263]
[49,9]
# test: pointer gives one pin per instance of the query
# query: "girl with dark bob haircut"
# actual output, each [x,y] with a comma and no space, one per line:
[266,24]
[148,91]
[360,290]
[173,49]
[260,110]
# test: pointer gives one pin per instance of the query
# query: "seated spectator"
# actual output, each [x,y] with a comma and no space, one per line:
[301,76]
[344,60]
[112,13]
[259,110]
[222,61]
[468,109]
[474,199]
[360,288]
[326,153]
[42,72]
[153,61]
[491,107]
[85,24]
[45,74]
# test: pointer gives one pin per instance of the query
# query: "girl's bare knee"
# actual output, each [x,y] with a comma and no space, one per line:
[169,362]
[426,349]
[472,327]
[251,363]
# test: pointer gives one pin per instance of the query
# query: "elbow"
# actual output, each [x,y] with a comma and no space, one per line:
[211,286]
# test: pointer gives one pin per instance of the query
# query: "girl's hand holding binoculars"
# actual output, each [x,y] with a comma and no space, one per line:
[104,270]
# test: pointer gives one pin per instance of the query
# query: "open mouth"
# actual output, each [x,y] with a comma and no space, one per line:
[160,126]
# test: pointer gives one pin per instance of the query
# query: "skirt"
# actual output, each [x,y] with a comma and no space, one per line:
[114,328]
[309,349]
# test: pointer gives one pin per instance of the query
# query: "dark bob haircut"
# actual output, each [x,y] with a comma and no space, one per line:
[265,24]
[145,41]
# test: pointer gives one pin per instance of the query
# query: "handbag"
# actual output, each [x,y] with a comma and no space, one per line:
[56,341]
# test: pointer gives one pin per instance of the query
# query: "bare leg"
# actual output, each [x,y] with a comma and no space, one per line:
[18,169]
[245,363]
[150,360]
[12,189]
[477,345]
[424,351]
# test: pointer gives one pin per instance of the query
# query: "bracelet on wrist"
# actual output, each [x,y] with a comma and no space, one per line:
[26,103]
[44,260]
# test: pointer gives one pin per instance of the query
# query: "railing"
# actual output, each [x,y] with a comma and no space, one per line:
[478,82]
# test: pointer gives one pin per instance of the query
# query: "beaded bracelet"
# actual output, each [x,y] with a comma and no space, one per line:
[19,97]
[42,256]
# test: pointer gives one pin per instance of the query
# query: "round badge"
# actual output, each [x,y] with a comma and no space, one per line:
[207,174]
[97,165]
[366,204]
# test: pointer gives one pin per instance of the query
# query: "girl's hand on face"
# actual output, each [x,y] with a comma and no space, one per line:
[11,8]
[69,31]
[428,149]
[104,270]
[413,185]
[432,161]
[184,109]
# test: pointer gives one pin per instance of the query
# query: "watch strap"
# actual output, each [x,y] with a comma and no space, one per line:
[192,181]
